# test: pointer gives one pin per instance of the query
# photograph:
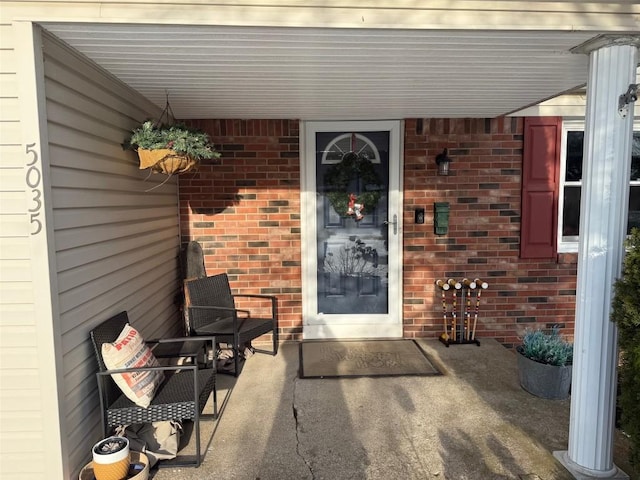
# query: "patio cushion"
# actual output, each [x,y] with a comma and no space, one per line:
[130,351]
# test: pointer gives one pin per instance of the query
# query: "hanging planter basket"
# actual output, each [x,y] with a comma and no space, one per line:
[166,161]
[170,148]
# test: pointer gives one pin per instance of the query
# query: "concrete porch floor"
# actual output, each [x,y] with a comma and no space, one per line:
[473,422]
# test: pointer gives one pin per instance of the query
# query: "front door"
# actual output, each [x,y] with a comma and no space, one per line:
[351,234]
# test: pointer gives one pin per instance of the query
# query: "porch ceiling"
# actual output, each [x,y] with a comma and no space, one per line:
[333,74]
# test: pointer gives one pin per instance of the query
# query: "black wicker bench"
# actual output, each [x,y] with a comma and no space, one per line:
[182,395]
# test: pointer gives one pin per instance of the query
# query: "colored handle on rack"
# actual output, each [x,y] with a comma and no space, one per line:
[468,283]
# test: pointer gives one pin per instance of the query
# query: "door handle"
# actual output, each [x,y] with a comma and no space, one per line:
[394,223]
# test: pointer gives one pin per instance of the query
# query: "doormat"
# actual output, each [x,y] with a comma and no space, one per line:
[363,358]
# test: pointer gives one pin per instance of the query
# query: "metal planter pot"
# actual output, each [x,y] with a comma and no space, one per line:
[542,380]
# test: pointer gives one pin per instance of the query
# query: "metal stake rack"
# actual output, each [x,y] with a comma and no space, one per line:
[461,329]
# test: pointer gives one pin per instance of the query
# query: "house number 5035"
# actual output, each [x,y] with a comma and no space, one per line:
[33,178]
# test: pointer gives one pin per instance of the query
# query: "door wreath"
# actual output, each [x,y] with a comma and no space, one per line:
[341,175]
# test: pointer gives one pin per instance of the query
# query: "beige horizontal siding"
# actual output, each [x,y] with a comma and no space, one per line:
[115,235]
[21,381]
[9,112]
[568,15]
[21,425]
[14,225]
[9,128]
[12,180]
[16,299]
[569,106]
[12,154]
[12,203]
[14,248]
[562,106]
[114,243]
[8,84]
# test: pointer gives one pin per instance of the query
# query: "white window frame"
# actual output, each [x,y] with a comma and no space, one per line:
[570,245]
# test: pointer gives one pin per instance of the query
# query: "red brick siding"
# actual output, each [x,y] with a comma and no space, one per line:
[484,231]
[245,211]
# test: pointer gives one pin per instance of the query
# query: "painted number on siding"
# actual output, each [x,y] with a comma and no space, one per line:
[33,178]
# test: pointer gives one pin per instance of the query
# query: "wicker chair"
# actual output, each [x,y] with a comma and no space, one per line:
[212,311]
[182,396]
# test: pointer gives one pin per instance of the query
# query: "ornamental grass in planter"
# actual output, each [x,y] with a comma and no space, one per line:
[170,149]
[545,364]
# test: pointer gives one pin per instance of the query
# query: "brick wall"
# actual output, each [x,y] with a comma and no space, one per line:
[483,191]
[244,210]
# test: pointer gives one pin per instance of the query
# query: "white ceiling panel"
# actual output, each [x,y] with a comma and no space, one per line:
[333,74]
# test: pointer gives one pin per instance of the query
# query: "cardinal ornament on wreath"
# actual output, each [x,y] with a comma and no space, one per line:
[338,179]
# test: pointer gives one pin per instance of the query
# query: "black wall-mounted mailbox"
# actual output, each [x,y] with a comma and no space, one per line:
[441,218]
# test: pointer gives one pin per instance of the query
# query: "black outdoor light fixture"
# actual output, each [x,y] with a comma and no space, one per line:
[443,162]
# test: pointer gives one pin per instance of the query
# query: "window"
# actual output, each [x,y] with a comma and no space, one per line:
[571,185]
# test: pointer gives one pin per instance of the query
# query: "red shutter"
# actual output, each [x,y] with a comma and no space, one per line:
[540,178]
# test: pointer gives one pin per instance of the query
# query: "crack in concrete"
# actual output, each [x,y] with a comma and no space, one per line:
[295,417]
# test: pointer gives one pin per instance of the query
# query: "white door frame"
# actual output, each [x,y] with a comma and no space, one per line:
[316,326]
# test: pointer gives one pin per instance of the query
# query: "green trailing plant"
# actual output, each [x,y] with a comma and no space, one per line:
[550,348]
[625,313]
[179,138]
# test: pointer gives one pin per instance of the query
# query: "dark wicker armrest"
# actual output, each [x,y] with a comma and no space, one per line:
[184,339]
[178,340]
[255,295]
[211,307]
[271,298]
[181,347]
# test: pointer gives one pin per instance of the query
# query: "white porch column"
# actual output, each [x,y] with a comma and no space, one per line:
[603,222]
